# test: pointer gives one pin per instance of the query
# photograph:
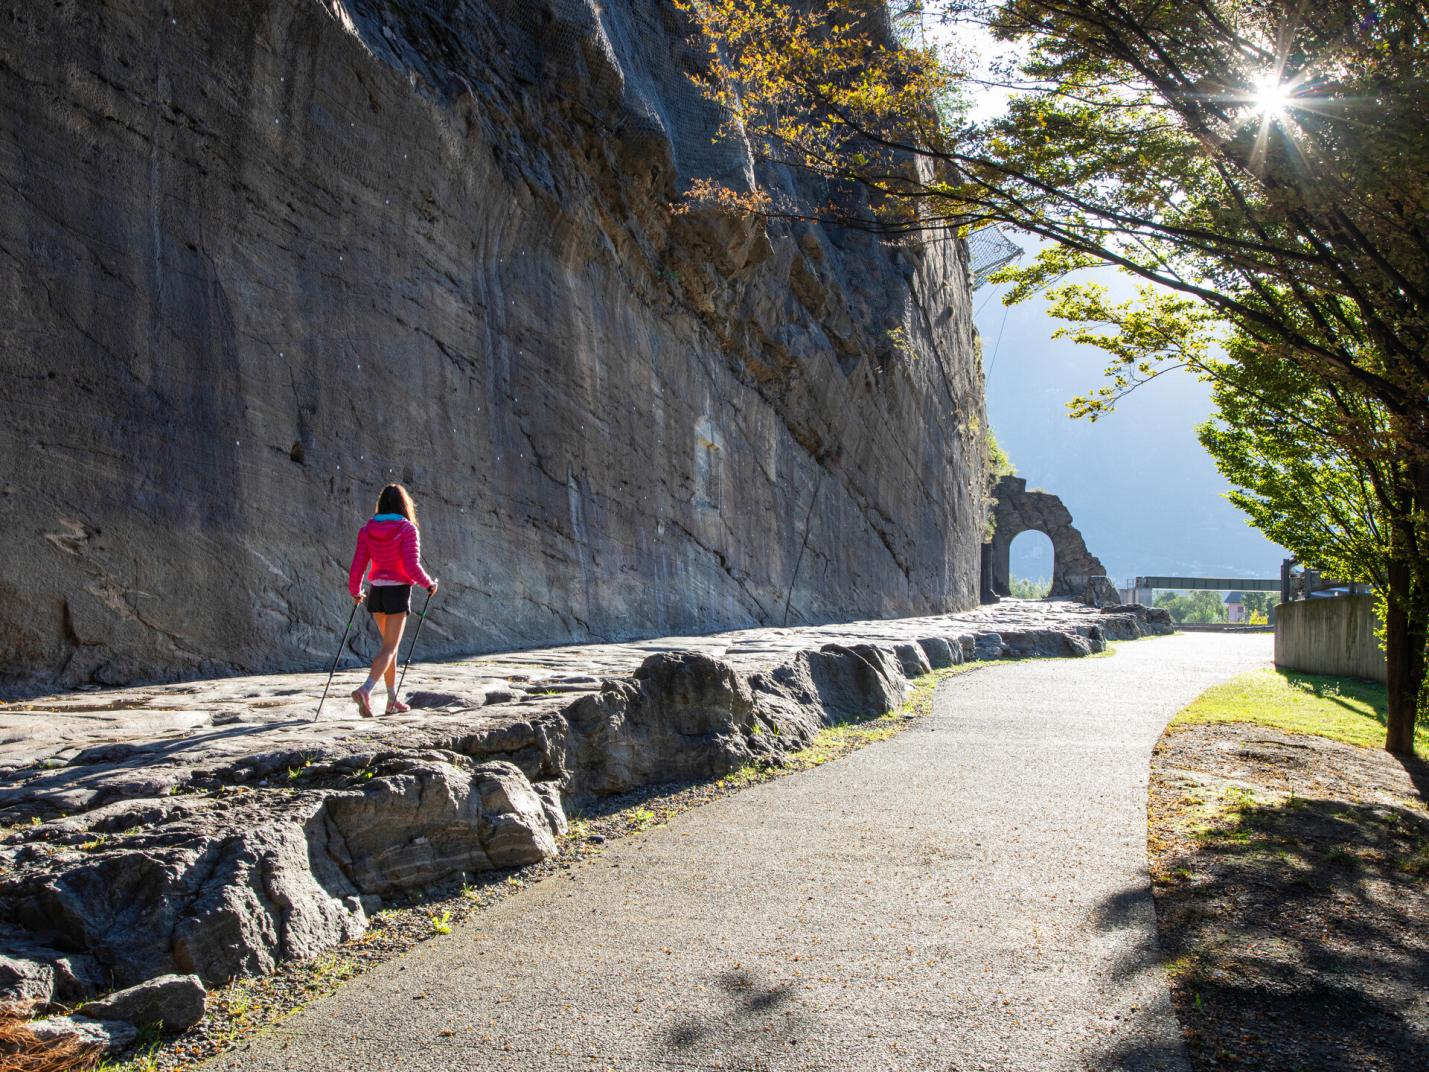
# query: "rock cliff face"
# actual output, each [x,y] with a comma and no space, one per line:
[258,259]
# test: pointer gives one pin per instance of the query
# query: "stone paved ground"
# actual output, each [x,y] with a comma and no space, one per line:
[73,749]
[972,894]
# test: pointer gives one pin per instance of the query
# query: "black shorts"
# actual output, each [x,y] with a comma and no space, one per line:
[389,599]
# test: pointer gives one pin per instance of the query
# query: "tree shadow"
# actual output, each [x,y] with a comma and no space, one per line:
[1335,689]
[1295,937]
[1418,771]
[739,1019]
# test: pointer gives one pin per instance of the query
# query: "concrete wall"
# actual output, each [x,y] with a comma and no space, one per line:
[1329,636]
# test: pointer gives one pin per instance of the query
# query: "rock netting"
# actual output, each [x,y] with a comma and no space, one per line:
[215,829]
[258,259]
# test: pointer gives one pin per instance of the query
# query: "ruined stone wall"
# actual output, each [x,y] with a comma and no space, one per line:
[1076,572]
[258,258]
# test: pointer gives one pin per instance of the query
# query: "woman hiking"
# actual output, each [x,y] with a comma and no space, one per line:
[391,544]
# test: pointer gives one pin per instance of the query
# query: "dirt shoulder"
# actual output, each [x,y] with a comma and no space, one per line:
[1291,876]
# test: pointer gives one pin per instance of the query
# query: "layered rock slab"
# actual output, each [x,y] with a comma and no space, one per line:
[248,838]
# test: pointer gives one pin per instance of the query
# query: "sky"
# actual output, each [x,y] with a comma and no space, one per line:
[1140,487]
[1142,490]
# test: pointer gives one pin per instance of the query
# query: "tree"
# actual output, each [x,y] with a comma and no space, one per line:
[1027,588]
[1258,606]
[1261,162]
[1277,433]
[1349,512]
[1193,608]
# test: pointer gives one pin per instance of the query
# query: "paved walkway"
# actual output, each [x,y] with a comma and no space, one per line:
[969,895]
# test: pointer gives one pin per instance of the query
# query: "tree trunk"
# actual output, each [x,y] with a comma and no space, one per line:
[1406,671]
[1406,619]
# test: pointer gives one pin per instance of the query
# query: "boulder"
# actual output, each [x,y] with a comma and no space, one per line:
[25,980]
[939,652]
[30,971]
[1048,643]
[988,646]
[550,796]
[423,822]
[683,716]
[856,680]
[913,660]
[111,1036]
[1127,621]
[174,1002]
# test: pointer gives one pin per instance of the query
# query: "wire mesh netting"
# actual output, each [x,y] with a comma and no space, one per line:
[988,250]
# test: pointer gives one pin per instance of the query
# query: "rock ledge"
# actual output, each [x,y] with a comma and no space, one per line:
[214,830]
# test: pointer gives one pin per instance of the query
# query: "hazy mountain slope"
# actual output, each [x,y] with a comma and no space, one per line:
[1142,490]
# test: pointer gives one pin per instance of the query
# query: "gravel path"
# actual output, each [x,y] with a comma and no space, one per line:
[971,894]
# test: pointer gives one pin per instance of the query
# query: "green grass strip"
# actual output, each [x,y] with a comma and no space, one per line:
[1340,708]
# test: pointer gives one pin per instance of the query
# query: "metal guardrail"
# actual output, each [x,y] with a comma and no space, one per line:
[1210,584]
[1305,583]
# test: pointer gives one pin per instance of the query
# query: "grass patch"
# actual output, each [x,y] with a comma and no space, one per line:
[1340,708]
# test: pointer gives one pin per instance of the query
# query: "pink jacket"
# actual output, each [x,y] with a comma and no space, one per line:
[394,548]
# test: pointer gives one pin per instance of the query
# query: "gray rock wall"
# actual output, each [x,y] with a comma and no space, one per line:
[258,259]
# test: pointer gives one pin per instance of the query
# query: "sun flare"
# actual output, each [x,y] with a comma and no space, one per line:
[1271,96]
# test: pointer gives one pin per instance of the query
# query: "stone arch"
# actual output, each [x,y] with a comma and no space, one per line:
[1076,572]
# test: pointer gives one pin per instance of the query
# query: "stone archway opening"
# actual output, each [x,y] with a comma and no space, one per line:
[1076,572]
[1031,564]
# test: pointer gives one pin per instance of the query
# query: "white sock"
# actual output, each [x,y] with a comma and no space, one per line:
[368,684]
[391,696]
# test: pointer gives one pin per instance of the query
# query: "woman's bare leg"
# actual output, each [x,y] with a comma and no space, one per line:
[384,665]
[380,620]
[394,625]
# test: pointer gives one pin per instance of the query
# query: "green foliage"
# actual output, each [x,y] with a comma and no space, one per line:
[1258,603]
[1193,608]
[1026,588]
[1273,436]
[998,463]
[441,923]
[1144,338]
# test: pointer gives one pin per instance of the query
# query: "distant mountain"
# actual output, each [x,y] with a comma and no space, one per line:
[1139,485]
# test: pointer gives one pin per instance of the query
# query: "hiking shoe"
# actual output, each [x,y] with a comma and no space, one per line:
[397,707]
[364,702]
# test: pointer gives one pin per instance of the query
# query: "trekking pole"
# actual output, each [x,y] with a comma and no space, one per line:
[341,644]
[420,619]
